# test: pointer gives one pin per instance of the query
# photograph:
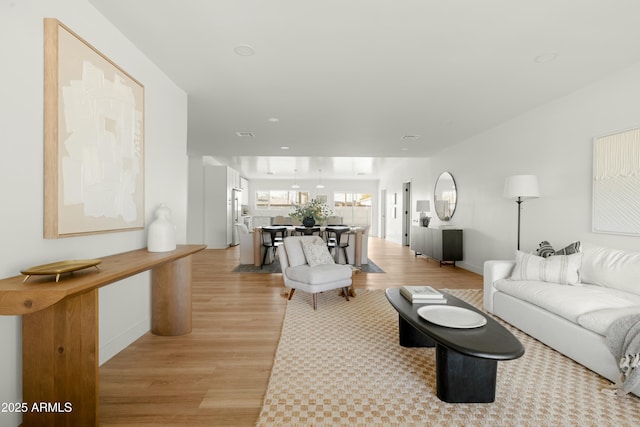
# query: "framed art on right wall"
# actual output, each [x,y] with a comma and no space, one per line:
[616,183]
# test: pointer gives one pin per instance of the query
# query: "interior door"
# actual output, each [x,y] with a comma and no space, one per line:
[383,214]
[406,213]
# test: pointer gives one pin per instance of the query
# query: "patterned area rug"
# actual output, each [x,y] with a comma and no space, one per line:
[342,365]
[274,267]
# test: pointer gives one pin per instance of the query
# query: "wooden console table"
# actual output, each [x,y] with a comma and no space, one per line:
[60,328]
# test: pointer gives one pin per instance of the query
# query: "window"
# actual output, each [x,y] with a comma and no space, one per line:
[277,199]
[354,208]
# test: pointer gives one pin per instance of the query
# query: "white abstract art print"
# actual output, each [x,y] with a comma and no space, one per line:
[94,139]
[616,183]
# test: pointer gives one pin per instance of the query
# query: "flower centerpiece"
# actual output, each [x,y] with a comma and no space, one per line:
[312,212]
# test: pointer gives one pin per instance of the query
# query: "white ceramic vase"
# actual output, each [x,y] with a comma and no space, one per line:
[162,232]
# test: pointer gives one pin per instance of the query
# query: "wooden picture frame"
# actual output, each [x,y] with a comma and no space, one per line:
[93,139]
[616,183]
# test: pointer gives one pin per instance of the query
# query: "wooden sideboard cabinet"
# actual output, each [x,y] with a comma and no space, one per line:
[442,244]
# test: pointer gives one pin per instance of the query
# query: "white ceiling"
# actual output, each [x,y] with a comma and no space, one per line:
[368,78]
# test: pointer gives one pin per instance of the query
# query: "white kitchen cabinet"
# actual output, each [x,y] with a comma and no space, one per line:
[211,219]
[244,186]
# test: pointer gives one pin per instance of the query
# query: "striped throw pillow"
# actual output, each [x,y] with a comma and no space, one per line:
[563,269]
[573,248]
[545,250]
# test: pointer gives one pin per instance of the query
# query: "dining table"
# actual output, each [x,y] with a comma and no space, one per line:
[355,230]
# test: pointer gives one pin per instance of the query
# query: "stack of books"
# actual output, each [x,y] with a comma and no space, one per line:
[422,295]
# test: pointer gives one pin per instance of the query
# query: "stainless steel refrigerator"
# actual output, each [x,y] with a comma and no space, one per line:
[236,215]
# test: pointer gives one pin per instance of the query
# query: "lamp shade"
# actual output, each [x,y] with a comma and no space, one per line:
[423,206]
[521,186]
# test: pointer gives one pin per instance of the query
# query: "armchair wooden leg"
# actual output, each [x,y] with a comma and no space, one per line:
[315,301]
[290,294]
[346,293]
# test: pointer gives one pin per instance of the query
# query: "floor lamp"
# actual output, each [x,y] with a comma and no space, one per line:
[520,188]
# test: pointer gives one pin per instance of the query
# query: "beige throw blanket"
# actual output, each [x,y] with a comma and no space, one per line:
[623,340]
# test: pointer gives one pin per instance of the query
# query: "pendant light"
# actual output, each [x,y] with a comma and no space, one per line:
[320,185]
[295,179]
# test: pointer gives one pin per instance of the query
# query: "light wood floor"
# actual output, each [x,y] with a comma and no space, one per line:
[218,374]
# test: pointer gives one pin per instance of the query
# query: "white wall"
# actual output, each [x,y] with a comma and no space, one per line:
[196,215]
[394,174]
[125,306]
[554,142]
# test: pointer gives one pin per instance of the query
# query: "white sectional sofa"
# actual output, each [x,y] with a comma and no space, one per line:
[570,317]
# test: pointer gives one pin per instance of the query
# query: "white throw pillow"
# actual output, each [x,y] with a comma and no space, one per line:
[316,254]
[563,269]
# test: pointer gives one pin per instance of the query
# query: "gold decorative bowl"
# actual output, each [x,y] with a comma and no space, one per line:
[60,267]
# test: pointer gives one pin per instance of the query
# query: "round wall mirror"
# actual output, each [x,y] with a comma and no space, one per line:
[445,196]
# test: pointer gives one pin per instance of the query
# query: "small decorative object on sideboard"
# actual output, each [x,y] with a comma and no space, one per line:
[60,267]
[162,232]
[423,206]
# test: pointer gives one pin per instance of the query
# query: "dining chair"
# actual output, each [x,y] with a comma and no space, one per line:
[281,220]
[246,244]
[334,220]
[272,238]
[308,231]
[338,238]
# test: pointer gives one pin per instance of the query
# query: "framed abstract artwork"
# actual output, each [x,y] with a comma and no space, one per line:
[616,183]
[93,139]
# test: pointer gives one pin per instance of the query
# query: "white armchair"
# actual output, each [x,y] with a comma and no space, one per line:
[299,273]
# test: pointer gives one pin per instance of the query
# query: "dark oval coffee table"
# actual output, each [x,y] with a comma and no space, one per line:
[466,359]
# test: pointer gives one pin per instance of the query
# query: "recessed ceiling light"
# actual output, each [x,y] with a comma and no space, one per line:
[404,149]
[273,119]
[245,134]
[284,147]
[411,137]
[545,57]
[244,50]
